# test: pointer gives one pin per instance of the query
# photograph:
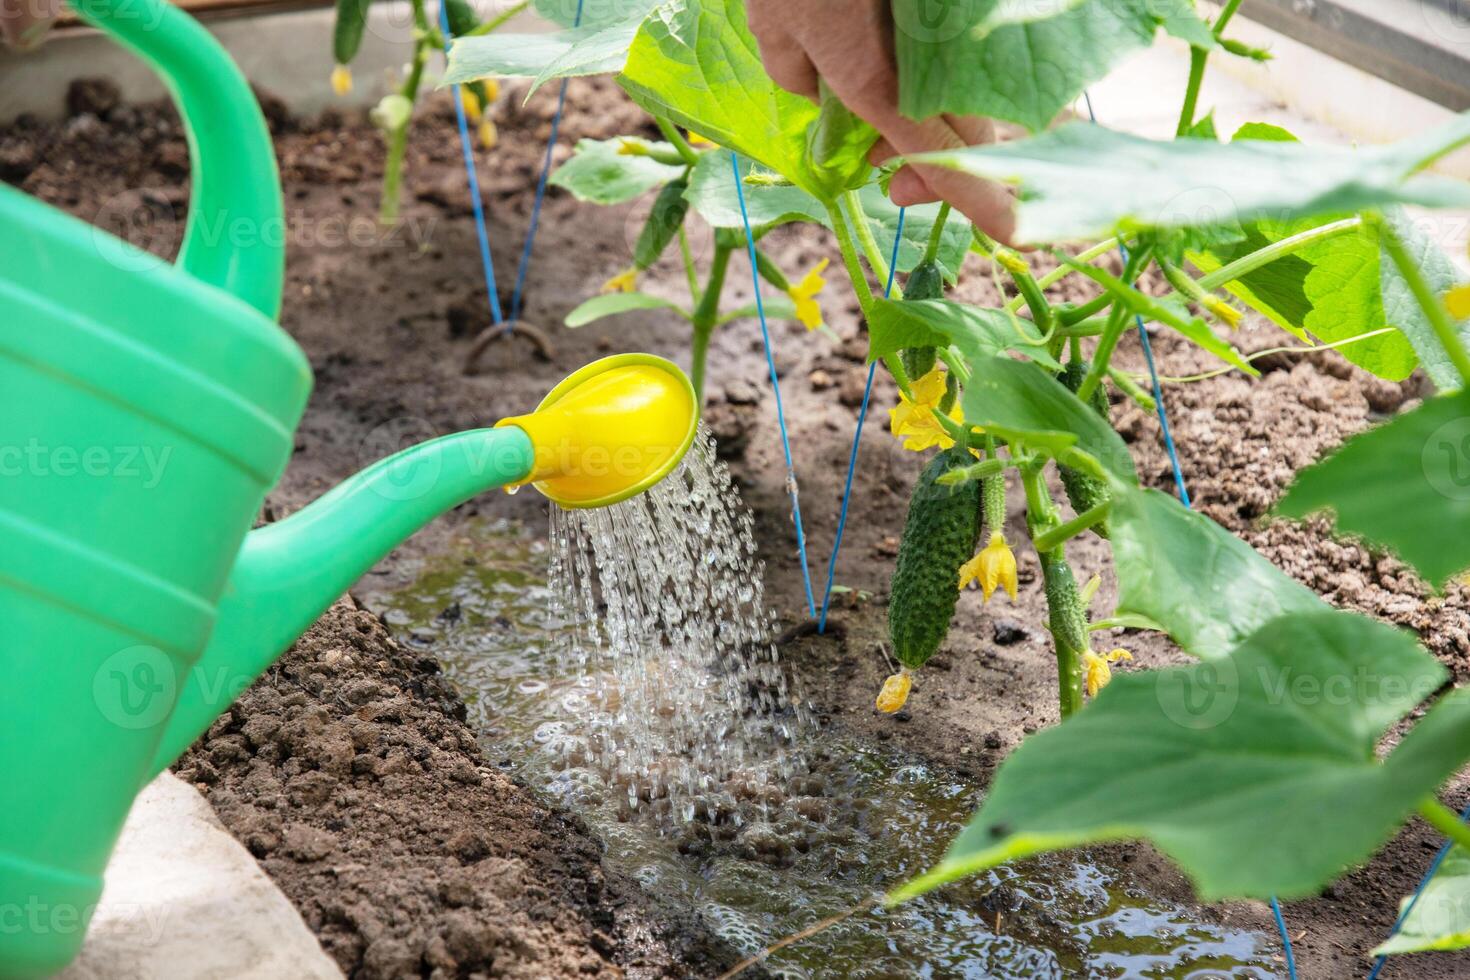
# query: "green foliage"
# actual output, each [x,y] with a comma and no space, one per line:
[1081,181]
[1022,62]
[611,304]
[1085,490]
[1440,919]
[1021,403]
[598,173]
[1207,588]
[695,62]
[978,333]
[1256,772]
[665,219]
[939,536]
[592,49]
[712,193]
[1404,486]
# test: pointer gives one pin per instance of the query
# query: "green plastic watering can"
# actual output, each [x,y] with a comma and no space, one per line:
[147,410]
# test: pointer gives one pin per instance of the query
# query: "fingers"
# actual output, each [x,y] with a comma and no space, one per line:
[784,58]
[990,206]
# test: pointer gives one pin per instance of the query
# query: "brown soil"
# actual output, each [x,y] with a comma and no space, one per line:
[387,321]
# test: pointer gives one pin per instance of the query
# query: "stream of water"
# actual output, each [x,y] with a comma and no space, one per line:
[624,671]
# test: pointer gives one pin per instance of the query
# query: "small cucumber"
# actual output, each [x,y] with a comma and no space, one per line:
[939,536]
[1084,490]
[663,223]
[347,31]
[925,282]
[461,17]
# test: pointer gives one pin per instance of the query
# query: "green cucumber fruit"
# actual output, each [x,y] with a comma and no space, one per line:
[925,282]
[1084,490]
[347,31]
[940,535]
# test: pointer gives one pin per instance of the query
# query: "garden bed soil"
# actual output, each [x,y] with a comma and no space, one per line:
[354,780]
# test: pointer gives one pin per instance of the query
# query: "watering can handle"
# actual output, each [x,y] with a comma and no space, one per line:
[235,234]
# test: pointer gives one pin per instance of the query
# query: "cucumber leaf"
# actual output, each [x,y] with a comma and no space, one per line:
[696,62]
[978,333]
[1404,486]
[1020,61]
[1206,587]
[594,13]
[1083,181]
[599,174]
[1020,402]
[1255,772]
[592,49]
[611,304]
[1440,918]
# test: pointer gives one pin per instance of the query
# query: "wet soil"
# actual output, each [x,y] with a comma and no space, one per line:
[387,320]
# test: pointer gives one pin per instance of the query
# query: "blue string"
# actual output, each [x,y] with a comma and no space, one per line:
[1379,962]
[525,264]
[760,309]
[468,146]
[1285,939]
[857,435]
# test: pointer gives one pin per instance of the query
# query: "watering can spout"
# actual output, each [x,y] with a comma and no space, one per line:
[606,433]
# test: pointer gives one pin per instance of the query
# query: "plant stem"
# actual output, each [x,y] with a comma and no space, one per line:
[975,471]
[398,136]
[1434,309]
[688,258]
[850,259]
[1064,532]
[1223,21]
[1131,388]
[1041,514]
[1198,59]
[1102,355]
[1247,264]
[681,145]
[936,234]
[1445,820]
[495,22]
[864,232]
[705,316]
[1063,271]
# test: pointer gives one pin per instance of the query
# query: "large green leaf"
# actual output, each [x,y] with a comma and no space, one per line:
[592,49]
[593,13]
[1083,182]
[712,193]
[1440,916]
[1022,61]
[1401,310]
[1020,402]
[1256,773]
[1206,587]
[612,304]
[978,333]
[598,173]
[696,62]
[1404,486]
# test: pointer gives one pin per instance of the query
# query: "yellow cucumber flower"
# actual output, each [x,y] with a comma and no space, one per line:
[1012,262]
[1098,670]
[804,295]
[697,140]
[471,103]
[629,147]
[994,567]
[916,422]
[1222,311]
[492,90]
[1458,301]
[895,692]
[624,282]
[341,80]
[489,135]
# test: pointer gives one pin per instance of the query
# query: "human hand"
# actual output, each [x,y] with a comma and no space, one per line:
[24,23]
[848,44]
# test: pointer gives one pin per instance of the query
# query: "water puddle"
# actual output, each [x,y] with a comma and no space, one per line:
[712,788]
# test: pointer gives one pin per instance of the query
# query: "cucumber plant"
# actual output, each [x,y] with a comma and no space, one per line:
[1240,767]
[394,112]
